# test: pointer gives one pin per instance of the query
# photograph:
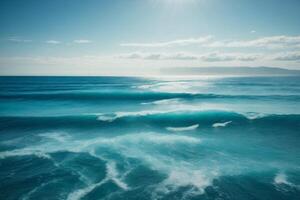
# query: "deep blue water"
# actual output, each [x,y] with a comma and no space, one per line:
[144,138]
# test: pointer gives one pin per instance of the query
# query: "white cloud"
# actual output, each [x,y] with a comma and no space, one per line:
[207,57]
[288,56]
[82,41]
[53,42]
[17,39]
[180,42]
[52,60]
[253,31]
[218,57]
[280,41]
[159,56]
[137,63]
[269,42]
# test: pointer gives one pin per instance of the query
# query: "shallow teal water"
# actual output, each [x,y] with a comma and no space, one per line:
[146,138]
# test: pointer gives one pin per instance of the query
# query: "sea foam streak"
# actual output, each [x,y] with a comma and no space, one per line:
[111,175]
[187,128]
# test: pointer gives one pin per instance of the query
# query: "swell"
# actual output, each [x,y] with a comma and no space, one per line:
[136,95]
[154,119]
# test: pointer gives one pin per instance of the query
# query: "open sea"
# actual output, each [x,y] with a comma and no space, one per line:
[210,138]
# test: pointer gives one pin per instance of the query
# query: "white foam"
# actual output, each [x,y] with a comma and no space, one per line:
[187,128]
[78,194]
[60,137]
[141,138]
[118,115]
[111,174]
[141,146]
[143,86]
[182,86]
[163,102]
[281,178]
[252,115]
[24,152]
[281,181]
[81,145]
[216,125]
[106,118]
[188,178]
[182,176]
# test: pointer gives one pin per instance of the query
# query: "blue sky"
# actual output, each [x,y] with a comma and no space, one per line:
[128,37]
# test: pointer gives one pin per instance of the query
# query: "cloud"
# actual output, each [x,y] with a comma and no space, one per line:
[290,56]
[81,41]
[207,57]
[51,60]
[159,56]
[53,42]
[218,57]
[253,31]
[180,42]
[17,39]
[280,41]
[269,42]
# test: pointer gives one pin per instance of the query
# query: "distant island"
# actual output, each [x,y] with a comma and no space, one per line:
[235,71]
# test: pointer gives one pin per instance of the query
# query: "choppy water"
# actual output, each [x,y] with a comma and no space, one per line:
[141,138]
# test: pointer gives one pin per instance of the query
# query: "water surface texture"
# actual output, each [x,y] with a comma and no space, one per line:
[145,138]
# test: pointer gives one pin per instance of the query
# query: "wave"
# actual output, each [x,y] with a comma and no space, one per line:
[154,118]
[118,115]
[187,128]
[137,95]
[138,146]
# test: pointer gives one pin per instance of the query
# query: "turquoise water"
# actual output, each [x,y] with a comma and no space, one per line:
[145,138]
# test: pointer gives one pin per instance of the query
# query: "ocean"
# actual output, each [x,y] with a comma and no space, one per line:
[222,138]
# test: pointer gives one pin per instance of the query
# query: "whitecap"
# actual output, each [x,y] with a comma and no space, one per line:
[282,183]
[163,102]
[106,118]
[187,128]
[178,177]
[281,178]
[117,115]
[254,115]
[216,125]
